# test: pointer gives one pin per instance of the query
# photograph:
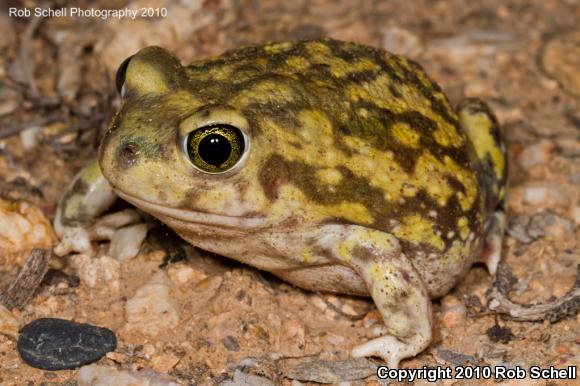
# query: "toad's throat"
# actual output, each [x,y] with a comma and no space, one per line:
[192,216]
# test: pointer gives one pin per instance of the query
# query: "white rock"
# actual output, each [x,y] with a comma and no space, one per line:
[243,379]
[182,274]
[401,41]
[151,309]
[23,226]
[29,137]
[536,154]
[95,375]
[535,194]
[545,194]
[126,242]
[98,272]
[473,46]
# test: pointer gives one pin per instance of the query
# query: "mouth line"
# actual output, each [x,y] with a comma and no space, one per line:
[191,216]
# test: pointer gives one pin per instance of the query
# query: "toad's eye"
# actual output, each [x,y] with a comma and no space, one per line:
[215,148]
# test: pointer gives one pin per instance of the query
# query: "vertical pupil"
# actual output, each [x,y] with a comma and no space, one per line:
[215,149]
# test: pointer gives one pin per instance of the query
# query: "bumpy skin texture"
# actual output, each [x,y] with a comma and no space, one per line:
[359,177]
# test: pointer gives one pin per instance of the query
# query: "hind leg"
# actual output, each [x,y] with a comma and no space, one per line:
[483,131]
[395,286]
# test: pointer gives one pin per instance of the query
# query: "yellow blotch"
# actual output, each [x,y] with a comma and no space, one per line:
[329,176]
[417,229]
[306,255]
[276,48]
[341,68]
[371,239]
[216,73]
[479,128]
[377,92]
[446,135]
[501,193]
[457,252]
[315,128]
[265,91]
[352,211]
[462,225]
[468,179]
[428,176]
[405,135]
[382,287]
[291,200]
[376,272]
[72,205]
[345,249]
[298,63]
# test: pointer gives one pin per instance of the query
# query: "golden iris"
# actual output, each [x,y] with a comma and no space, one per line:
[216,148]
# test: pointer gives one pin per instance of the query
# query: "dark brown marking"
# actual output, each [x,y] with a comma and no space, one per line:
[274,174]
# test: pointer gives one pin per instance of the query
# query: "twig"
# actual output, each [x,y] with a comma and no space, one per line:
[28,279]
[567,305]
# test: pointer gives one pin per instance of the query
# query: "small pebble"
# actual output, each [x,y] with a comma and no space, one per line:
[181,274]
[453,311]
[401,41]
[241,379]
[165,362]
[98,272]
[58,344]
[518,228]
[292,337]
[545,194]
[231,343]
[535,194]
[453,317]
[549,224]
[117,357]
[95,375]
[536,154]
[30,136]
[326,371]
[151,309]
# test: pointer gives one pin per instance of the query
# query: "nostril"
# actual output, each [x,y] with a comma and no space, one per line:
[129,153]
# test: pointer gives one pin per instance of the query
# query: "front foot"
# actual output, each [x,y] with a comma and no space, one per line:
[78,239]
[78,220]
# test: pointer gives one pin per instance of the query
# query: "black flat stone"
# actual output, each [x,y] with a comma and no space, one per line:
[58,344]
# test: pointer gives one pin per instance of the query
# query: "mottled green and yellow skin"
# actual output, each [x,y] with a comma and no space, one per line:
[359,176]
